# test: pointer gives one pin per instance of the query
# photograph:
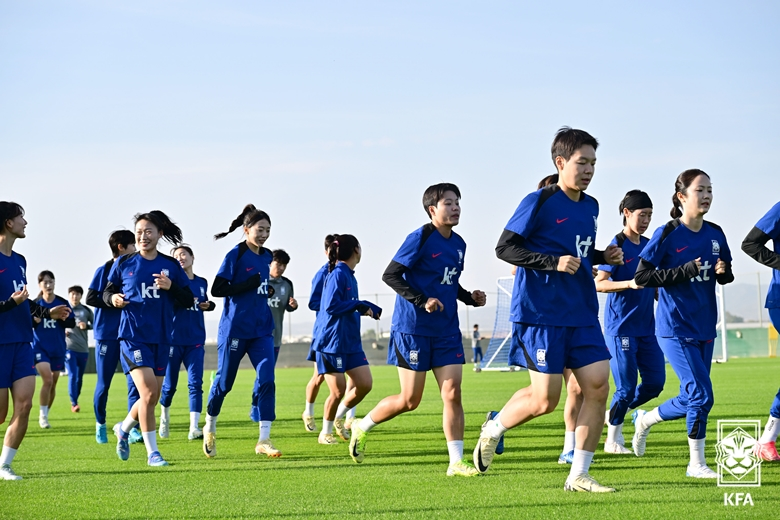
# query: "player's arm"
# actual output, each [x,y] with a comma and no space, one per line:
[288,306]
[648,276]
[754,246]
[182,296]
[222,287]
[333,300]
[95,299]
[723,273]
[605,285]
[68,322]
[511,249]
[394,278]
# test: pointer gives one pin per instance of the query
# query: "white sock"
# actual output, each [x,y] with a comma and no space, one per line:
[166,413]
[309,411]
[327,426]
[495,428]
[351,412]
[366,423]
[581,462]
[265,431]
[569,441]
[194,420]
[612,431]
[697,452]
[128,424]
[150,441]
[341,411]
[45,412]
[211,424]
[7,455]
[771,430]
[652,417]
[456,451]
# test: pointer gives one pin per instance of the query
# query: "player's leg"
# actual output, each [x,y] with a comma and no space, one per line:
[571,410]
[148,385]
[229,352]
[22,391]
[359,384]
[170,382]
[44,395]
[261,354]
[449,379]
[624,372]
[652,370]
[701,398]
[193,361]
[81,365]
[337,385]
[106,360]
[71,363]
[312,389]
[766,448]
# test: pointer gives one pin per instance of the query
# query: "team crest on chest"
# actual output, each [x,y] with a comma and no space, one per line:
[715,247]
[202,292]
[165,272]
[460,256]
[595,225]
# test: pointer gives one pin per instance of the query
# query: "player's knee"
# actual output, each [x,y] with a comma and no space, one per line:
[543,405]
[23,409]
[451,394]
[411,402]
[653,390]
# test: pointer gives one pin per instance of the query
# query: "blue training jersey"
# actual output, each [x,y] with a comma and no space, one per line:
[630,312]
[16,325]
[246,315]
[106,325]
[434,267]
[553,224]
[49,334]
[189,328]
[689,309]
[770,224]
[316,288]
[148,316]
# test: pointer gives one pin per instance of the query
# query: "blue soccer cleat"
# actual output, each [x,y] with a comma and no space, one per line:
[100,434]
[156,460]
[122,448]
[135,436]
[566,458]
[500,445]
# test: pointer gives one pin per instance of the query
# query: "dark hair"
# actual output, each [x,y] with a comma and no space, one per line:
[433,194]
[476,325]
[342,248]
[281,256]
[76,289]
[681,186]
[568,140]
[328,241]
[249,216]
[123,238]
[634,200]
[171,232]
[548,181]
[186,247]
[41,276]
[9,211]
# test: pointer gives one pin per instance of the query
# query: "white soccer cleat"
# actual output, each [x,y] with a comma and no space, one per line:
[586,483]
[43,422]
[485,450]
[616,449]
[341,430]
[700,472]
[210,444]
[309,423]
[6,473]
[639,442]
[327,438]
[164,429]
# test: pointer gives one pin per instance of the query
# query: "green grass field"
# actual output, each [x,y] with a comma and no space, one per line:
[67,475]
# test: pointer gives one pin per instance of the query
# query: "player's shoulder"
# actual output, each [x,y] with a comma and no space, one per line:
[714,226]
[618,240]
[168,259]
[667,230]
[289,282]
[20,259]
[589,199]
[457,240]
[59,300]
[127,259]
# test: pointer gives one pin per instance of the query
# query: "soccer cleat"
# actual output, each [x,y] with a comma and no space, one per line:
[639,442]
[308,423]
[156,460]
[341,431]
[100,434]
[43,422]
[327,438]
[267,448]
[6,473]
[164,429]
[357,444]
[210,444]
[75,408]
[484,451]
[587,484]
[135,436]
[195,434]
[254,413]
[462,468]
[766,451]
[500,445]
[122,448]
[616,449]
[700,472]
[566,458]
[348,423]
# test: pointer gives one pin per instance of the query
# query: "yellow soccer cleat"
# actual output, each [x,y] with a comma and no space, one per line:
[357,445]
[587,484]
[462,468]
[341,430]
[327,438]
[267,448]
[308,423]
[210,444]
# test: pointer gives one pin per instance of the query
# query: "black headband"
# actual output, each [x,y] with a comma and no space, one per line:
[639,200]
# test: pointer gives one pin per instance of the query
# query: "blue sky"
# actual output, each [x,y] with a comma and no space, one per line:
[335,117]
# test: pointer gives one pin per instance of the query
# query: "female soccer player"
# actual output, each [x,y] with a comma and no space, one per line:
[768,228]
[146,285]
[76,340]
[425,334]
[49,344]
[17,365]
[630,323]
[684,259]
[245,328]
[338,346]
[187,342]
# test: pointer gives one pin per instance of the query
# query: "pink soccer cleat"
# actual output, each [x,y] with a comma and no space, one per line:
[766,451]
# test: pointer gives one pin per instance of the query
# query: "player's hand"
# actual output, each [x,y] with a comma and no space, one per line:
[20,296]
[118,300]
[698,263]
[67,333]
[292,302]
[613,255]
[595,271]
[632,284]
[36,319]
[480,298]
[569,264]
[82,325]
[60,312]
[162,281]
[204,306]
[720,267]
[369,313]
[433,304]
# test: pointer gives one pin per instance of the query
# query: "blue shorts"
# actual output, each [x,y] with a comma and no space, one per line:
[16,362]
[339,363]
[422,353]
[312,353]
[549,349]
[135,355]
[56,360]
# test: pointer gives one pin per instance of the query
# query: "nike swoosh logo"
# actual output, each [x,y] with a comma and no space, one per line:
[4,270]
[435,255]
[458,355]
[629,260]
[680,250]
[561,220]
[480,465]
[249,269]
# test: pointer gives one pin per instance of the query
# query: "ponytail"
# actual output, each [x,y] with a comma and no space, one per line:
[681,186]
[170,231]
[341,248]
[329,240]
[248,216]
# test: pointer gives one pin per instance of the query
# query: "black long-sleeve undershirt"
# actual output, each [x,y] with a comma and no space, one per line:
[511,249]
[648,276]
[95,299]
[394,278]
[754,246]
[222,287]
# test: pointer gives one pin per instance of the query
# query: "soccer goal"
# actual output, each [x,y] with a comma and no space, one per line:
[497,354]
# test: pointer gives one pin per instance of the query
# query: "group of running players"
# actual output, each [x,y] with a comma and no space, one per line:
[149,316]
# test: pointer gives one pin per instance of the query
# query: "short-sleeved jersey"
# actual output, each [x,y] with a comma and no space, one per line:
[246,315]
[629,312]
[553,224]
[434,267]
[770,224]
[316,288]
[15,325]
[49,334]
[283,291]
[338,322]
[189,328]
[106,325]
[148,315]
[687,310]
